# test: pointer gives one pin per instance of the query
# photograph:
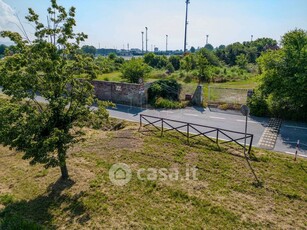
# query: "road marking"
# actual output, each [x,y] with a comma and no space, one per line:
[300,155]
[248,121]
[221,118]
[191,114]
[296,127]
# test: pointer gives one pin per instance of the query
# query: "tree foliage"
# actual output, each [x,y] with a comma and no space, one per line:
[284,77]
[156,61]
[252,50]
[47,66]
[175,61]
[89,50]
[165,88]
[134,70]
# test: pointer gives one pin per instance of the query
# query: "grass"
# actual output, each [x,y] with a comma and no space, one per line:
[224,195]
[114,76]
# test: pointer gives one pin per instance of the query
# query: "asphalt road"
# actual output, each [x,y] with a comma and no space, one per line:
[286,141]
[290,132]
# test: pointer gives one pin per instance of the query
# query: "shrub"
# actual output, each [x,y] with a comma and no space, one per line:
[188,79]
[258,105]
[168,104]
[134,70]
[165,88]
[170,68]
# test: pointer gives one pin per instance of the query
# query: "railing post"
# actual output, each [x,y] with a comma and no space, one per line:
[162,127]
[250,144]
[140,122]
[188,133]
[217,136]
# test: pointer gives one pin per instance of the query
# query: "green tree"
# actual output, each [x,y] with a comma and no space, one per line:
[2,49]
[241,61]
[89,50]
[134,70]
[210,56]
[47,66]
[192,49]
[284,77]
[175,61]
[203,68]
[209,47]
[188,62]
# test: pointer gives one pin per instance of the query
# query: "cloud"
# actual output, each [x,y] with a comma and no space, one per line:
[8,20]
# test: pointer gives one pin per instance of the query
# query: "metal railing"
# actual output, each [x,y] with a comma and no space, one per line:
[191,130]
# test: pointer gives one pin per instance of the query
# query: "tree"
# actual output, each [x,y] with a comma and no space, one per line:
[89,50]
[134,70]
[210,56]
[188,62]
[209,47]
[2,49]
[284,77]
[47,66]
[192,49]
[175,61]
[241,61]
[203,67]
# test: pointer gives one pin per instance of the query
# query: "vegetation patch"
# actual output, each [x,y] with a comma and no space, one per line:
[223,195]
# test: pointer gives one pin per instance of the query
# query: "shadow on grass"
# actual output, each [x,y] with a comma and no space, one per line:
[33,214]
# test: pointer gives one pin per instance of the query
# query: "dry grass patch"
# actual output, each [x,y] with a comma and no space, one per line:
[223,196]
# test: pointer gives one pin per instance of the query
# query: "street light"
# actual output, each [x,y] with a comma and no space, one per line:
[166,42]
[187,2]
[146,39]
[142,42]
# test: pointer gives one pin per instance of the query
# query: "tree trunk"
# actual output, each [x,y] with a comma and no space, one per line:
[62,161]
[64,171]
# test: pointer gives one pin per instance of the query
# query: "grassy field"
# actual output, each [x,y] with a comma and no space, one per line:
[223,197]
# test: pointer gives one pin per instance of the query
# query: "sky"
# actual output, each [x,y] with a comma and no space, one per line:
[115,23]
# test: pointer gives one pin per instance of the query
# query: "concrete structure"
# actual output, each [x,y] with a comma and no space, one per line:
[197,98]
[122,93]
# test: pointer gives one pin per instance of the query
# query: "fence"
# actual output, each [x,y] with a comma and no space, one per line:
[191,130]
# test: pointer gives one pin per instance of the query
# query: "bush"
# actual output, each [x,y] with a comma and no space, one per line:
[188,79]
[165,88]
[175,61]
[258,105]
[134,70]
[170,68]
[168,104]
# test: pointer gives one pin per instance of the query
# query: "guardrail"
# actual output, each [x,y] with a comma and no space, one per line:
[191,130]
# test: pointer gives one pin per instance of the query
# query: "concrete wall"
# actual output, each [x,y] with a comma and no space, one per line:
[122,93]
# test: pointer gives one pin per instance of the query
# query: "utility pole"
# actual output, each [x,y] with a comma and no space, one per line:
[142,42]
[166,42]
[252,37]
[146,39]
[207,39]
[186,25]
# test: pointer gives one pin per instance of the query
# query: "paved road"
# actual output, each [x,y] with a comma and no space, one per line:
[288,135]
